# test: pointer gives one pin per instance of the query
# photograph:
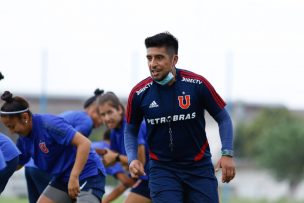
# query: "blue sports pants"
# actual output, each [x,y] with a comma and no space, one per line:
[190,183]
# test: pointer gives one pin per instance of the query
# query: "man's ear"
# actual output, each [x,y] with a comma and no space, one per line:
[175,59]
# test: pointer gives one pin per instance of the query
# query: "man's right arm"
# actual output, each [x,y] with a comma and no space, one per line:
[136,168]
[131,143]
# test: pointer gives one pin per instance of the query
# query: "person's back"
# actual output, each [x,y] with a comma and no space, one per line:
[80,120]
[50,146]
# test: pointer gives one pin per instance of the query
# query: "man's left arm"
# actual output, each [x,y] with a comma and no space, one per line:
[226,161]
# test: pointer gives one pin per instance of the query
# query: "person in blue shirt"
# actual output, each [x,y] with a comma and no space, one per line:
[86,120]
[57,148]
[112,112]
[116,170]
[83,121]
[10,156]
[36,179]
[173,102]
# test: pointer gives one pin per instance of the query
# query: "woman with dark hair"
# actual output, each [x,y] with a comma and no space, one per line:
[57,148]
[113,114]
[88,103]
[82,121]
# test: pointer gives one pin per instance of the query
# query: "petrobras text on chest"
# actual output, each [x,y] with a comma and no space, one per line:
[174,118]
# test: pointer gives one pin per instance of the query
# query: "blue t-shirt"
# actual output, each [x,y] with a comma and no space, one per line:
[111,170]
[80,120]
[118,143]
[175,116]
[117,137]
[8,148]
[49,144]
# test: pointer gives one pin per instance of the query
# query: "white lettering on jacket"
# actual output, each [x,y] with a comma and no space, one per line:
[174,118]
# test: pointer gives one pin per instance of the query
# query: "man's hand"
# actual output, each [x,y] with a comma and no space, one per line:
[136,169]
[228,168]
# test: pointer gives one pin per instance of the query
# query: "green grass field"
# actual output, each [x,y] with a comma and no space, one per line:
[16,200]
[23,200]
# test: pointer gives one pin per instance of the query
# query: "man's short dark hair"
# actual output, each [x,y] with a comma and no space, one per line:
[164,39]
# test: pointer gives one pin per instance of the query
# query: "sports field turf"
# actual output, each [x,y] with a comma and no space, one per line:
[16,200]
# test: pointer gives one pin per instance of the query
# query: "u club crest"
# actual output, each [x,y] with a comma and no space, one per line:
[43,147]
[184,101]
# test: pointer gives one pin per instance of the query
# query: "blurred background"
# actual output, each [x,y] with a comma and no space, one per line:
[55,53]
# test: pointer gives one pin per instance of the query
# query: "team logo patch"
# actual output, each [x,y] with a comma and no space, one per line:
[43,147]
[184,101]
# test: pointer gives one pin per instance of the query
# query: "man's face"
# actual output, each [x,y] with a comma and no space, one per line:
[160,62]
